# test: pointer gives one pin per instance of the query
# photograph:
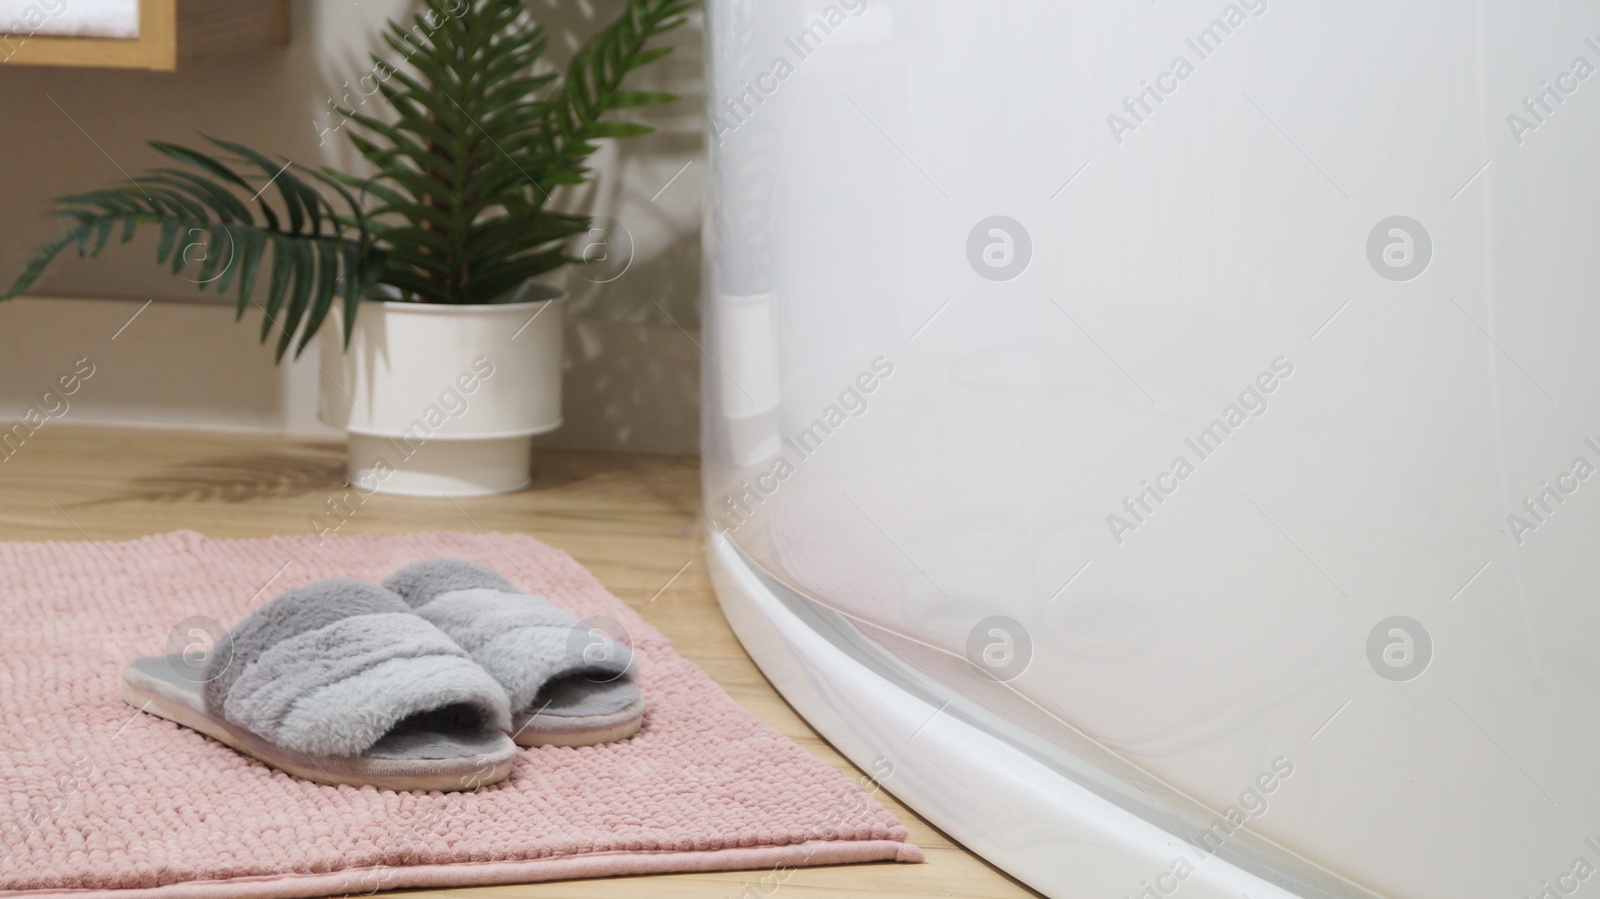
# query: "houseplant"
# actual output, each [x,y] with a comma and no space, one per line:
[427,265]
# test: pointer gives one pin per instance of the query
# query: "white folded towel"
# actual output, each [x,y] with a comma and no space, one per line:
[70,18]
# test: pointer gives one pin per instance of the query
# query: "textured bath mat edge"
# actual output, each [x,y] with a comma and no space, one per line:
[366,881]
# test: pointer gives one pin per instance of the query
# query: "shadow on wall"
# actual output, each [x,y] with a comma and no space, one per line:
[633,368]
[633,357]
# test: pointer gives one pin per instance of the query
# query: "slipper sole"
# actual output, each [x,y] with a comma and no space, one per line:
[441,775]
[581,737]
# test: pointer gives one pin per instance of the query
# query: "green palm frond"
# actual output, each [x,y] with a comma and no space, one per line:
[449,174]
[464,171]
[216,223]
[579,112]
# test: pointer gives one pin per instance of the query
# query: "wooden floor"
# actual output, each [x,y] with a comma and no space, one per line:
[632,519]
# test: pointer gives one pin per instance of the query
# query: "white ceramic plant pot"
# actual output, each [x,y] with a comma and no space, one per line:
[445,400]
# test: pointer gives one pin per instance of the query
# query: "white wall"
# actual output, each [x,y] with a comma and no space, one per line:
[632,374]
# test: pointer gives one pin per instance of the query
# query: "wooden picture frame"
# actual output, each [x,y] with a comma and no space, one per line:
[170,32]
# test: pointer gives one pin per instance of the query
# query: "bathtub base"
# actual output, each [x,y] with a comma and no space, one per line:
[1001,803]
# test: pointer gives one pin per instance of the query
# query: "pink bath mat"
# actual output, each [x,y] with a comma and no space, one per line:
[97,799]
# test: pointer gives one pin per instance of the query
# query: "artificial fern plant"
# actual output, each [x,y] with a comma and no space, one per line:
[456,208]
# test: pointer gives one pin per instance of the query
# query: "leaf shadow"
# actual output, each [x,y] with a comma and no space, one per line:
[239,478]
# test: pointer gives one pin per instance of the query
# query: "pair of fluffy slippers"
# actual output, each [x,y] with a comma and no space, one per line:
[429,682]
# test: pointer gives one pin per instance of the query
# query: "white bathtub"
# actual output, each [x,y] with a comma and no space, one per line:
[1159,435]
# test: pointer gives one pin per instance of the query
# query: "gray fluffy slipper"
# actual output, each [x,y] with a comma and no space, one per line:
[568,686]
[339,682]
